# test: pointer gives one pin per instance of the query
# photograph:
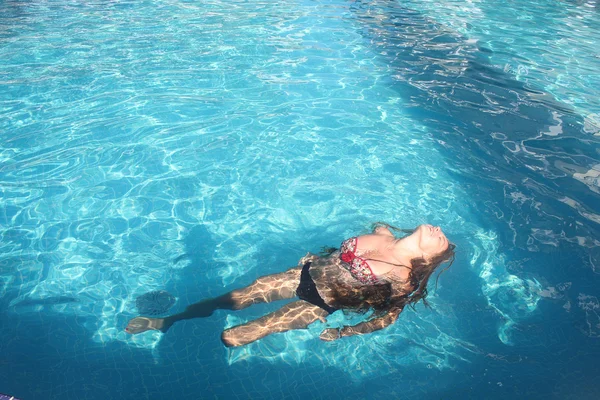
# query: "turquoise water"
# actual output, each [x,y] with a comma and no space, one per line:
[195,146]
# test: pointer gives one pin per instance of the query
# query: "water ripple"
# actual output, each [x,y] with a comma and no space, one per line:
[236,137]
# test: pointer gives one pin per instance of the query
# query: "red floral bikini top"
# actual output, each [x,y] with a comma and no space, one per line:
[357,266]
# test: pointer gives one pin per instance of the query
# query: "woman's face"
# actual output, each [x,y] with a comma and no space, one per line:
[431,240]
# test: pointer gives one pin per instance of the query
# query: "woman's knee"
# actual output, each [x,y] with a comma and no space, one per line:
[227,339]
[231,338]
[243,334]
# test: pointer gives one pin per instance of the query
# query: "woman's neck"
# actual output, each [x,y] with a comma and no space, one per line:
[407,248]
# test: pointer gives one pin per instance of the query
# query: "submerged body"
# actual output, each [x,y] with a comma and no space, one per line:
[375,271]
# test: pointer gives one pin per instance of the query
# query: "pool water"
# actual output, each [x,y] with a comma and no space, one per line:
[192,147]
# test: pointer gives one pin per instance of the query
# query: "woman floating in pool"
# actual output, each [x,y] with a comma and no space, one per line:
[375,271]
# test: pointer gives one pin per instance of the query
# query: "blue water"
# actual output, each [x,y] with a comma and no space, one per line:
[195,146]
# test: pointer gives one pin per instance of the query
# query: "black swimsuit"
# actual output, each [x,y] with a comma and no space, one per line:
[307,290]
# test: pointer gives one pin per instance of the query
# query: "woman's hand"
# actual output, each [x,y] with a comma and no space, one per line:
[330,334]
[309,257]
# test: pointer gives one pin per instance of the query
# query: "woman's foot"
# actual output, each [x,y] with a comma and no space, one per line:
[143,324]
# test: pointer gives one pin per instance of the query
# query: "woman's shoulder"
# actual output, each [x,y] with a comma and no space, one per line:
[372,237]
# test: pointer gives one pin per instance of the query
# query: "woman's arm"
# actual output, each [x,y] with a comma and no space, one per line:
[372,325]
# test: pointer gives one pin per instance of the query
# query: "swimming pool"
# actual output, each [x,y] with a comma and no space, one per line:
[194,146]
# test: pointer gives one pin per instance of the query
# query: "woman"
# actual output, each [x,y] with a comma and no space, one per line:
[370,272]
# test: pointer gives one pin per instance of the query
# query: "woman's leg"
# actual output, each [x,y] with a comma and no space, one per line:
[296,315]
[263,290]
